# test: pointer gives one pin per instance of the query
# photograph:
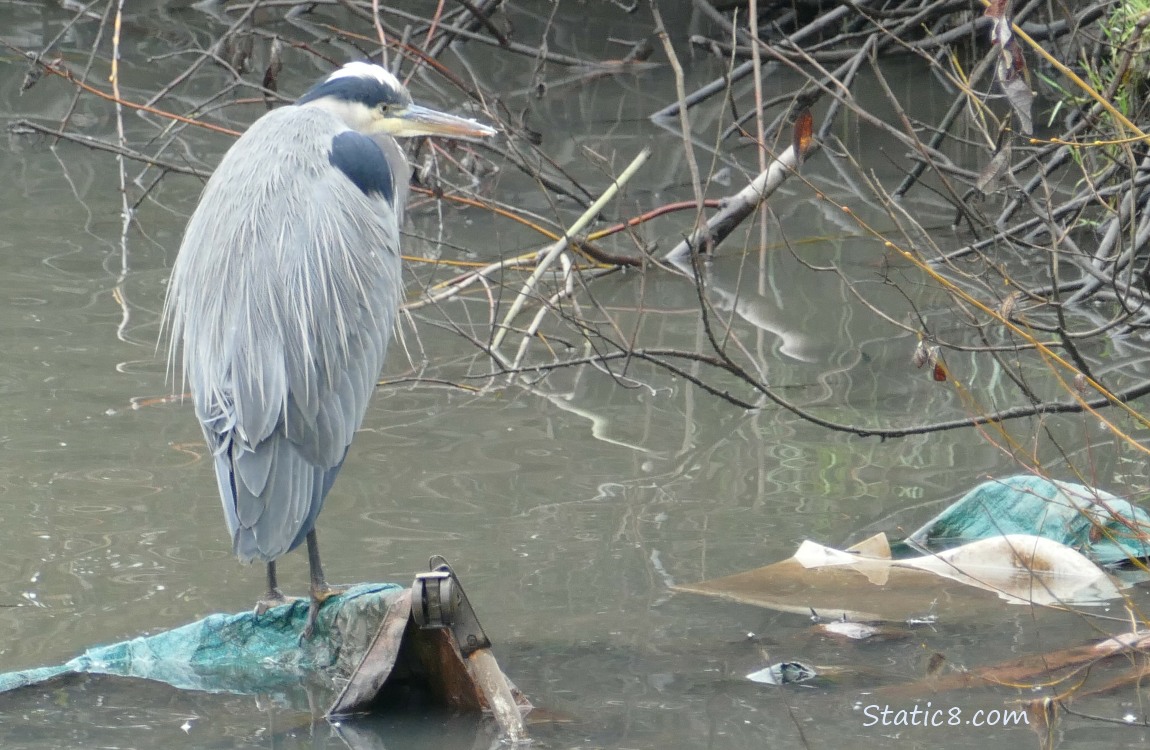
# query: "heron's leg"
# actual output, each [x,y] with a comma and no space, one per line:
[273,586]
[274,597]
[321,590]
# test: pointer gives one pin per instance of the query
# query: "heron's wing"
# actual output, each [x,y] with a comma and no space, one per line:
[284,295]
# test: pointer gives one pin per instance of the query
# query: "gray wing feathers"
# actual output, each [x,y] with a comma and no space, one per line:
[283,298]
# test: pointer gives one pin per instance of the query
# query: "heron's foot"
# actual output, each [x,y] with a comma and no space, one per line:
[319,594]
[273,598]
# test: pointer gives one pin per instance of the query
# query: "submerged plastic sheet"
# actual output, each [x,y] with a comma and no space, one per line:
[241,653]
[1102,526]
[964,584]
[1022,539]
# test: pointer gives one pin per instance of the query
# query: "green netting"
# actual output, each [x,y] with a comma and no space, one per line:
[1105,528]
[241,653]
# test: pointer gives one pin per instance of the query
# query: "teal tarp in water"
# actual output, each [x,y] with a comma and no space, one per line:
[241,653]
[1102,526]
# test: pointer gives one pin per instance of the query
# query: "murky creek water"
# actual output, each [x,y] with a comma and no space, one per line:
[566,509]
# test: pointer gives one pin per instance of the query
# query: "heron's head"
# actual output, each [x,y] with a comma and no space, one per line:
[373,101]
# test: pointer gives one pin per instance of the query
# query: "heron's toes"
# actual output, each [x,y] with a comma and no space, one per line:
[312,613]
[325,591]
[271,599]
[319,594]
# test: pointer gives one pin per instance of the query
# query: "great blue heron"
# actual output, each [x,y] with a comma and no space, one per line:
[283,299]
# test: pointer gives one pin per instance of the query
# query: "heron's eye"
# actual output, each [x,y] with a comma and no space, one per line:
[384,109]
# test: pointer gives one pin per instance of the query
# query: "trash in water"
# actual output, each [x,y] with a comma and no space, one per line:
[784,673]
[1023,540]
[367,643]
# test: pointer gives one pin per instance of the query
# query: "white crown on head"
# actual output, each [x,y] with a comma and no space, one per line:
[367,70]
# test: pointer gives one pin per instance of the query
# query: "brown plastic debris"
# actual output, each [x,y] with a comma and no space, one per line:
[367,681]
[965,583]
[404,653]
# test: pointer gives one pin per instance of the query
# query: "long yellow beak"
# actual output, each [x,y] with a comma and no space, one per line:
[414,120]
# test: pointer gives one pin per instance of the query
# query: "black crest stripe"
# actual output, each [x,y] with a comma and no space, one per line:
[367,91]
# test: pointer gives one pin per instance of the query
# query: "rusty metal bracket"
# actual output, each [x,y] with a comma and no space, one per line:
[438,601]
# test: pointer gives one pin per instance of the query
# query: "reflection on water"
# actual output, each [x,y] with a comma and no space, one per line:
[567,509]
